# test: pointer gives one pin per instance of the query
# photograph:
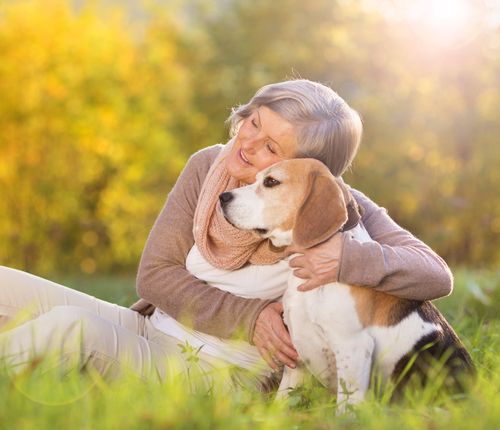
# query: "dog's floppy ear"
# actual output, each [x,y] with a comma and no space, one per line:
[323,211]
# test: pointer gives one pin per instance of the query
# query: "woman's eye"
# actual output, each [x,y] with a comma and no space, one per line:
[270,182]
[271,149]
[254,123]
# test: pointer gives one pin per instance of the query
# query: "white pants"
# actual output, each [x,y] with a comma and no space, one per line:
[38,317]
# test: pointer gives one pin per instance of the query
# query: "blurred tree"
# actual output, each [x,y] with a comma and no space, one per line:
[99,111]
[86,144]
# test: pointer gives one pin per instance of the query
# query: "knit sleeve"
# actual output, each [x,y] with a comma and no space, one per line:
[396,262]
[163,279]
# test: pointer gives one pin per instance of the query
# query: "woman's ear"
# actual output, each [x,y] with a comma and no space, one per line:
[323,211]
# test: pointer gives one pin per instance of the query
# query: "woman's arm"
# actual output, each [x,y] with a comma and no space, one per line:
[396,262]
[163,279]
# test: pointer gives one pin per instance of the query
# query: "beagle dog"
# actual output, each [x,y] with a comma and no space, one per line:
[342,333]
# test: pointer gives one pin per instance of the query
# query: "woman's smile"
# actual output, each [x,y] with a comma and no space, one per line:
[245,159]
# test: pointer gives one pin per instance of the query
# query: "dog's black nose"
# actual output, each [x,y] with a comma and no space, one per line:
[225,198]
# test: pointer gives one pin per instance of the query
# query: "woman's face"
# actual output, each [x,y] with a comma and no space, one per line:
[263,139]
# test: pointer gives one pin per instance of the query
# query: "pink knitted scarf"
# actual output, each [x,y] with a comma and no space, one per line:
[223,245]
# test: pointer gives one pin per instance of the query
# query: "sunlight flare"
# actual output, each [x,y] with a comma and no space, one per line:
[442,22]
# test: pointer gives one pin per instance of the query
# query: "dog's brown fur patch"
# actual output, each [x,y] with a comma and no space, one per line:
[373,307]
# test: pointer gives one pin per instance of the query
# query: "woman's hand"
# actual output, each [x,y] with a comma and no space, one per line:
[318,265]
[272,338]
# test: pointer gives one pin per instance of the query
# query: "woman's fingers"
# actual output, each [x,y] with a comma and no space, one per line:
[287,356]
[309,285]
[273,357]
[272,338]
[283,337]
[280,353]
[319,265]
[299,261]
[281,333]
[268,358]
[278,348]
[301,273]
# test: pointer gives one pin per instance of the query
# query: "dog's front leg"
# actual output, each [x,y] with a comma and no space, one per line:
[354,361]
[291,379]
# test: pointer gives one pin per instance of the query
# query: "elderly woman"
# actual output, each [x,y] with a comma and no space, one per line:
[206,284]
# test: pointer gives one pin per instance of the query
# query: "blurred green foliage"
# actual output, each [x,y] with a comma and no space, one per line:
[101,105]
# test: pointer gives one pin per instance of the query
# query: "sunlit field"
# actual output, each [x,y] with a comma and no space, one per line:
[85,401]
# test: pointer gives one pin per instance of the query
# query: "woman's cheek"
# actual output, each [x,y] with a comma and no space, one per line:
[269,161]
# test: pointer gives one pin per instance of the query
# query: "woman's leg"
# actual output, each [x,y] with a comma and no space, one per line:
[22,291]
[71,337]
[86,331]
[83,328]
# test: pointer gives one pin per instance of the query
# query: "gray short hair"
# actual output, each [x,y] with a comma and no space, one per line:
[328,129]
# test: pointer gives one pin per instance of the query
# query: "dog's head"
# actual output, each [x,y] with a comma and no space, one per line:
[294,201]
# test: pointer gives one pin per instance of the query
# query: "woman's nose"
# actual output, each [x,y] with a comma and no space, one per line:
[253,144]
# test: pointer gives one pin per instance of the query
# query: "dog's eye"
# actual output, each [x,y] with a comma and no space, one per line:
[270,182]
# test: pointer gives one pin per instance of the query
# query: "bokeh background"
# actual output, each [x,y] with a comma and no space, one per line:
[102,102]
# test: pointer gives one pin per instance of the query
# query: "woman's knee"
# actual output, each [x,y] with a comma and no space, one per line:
[4,269]
[19,289]
[7,274]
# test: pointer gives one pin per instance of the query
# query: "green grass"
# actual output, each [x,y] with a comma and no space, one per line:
[37,401]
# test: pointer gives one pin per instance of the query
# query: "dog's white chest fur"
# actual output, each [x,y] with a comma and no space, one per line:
[327,306]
